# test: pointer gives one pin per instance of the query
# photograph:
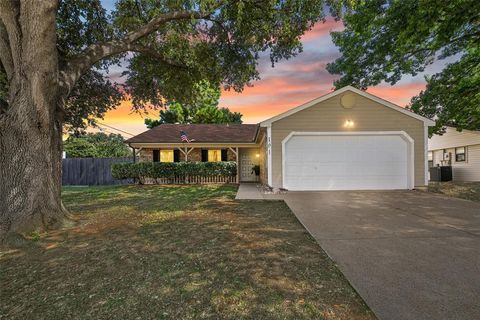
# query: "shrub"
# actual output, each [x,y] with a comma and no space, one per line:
[156,170]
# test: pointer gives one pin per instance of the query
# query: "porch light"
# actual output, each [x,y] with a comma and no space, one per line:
[349,123]
[257,155]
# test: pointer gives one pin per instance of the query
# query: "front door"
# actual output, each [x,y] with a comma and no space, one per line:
[247,161]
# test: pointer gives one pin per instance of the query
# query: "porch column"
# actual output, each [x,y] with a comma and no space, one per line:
[238,165]
[186,151]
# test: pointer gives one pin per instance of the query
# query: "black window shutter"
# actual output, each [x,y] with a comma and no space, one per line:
[204,155]
[156,155]
[224,155]
[176,155]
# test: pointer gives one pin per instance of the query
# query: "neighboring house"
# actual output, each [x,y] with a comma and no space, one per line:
[461,150]
[345,140]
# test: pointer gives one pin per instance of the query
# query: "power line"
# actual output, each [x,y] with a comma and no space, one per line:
[106,125]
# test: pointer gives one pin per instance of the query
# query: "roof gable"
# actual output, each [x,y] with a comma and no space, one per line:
[367,95]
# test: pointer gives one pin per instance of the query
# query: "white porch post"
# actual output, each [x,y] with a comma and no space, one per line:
[238,165]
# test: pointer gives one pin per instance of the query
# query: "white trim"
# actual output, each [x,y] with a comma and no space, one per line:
[367,95]
[402,134]
[425,146]
[269,156]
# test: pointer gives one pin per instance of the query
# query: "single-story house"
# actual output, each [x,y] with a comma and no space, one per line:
[460,149]
[345,140]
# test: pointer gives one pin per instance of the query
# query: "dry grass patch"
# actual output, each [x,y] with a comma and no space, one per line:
[463,190]
[189,252]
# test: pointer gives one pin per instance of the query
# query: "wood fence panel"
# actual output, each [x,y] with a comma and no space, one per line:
[91,171]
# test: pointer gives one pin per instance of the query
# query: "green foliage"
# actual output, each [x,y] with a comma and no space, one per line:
[96,145]
[203,110]
[155,170]
[386,39]
[220,43]
[453,96]
[81,23]
[222,48]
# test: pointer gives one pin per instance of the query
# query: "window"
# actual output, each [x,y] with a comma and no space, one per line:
[166,155]
[430,159]
[214,155]
[460,154]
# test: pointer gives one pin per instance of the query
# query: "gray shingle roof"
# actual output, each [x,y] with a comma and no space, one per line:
[207,133]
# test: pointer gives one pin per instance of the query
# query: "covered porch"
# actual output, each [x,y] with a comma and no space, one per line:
[246,156]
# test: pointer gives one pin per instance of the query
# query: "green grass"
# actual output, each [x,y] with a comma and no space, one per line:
[464,190]
[175,252]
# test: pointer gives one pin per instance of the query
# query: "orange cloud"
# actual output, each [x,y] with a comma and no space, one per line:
[322,29]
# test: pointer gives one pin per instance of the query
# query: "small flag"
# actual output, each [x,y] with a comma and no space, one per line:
[184,137]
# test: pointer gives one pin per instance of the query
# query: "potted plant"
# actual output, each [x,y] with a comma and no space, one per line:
[256,170]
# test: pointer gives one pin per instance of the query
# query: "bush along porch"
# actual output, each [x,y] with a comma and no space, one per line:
[177,172]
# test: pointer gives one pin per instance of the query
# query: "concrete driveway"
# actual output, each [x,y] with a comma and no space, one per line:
[409,254]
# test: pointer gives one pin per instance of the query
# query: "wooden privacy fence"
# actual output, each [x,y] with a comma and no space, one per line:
[91,171]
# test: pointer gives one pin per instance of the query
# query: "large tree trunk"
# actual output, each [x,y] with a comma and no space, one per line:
[30,171]
[31,127]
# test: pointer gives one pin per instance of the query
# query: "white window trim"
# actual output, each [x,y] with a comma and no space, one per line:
[402,134]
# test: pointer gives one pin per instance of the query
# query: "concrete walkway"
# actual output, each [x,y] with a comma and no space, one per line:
[248,191]
[410,255]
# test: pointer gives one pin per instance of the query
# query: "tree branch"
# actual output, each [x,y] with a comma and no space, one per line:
[136,47]
[78,65]
[10,36]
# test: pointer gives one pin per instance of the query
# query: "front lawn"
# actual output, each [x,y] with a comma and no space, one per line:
[176,252]
[464,190]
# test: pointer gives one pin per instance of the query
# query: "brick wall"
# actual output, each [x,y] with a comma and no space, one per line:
[146,155]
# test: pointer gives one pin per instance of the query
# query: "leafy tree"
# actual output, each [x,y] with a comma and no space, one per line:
[203,110]
[53,54]
[386,39]
[96,145]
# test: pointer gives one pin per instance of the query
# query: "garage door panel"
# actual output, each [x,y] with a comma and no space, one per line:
[350,162]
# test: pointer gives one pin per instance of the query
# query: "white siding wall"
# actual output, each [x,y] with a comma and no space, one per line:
[453,138]
[462,171]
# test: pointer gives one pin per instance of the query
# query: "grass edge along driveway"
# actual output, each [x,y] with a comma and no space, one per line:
[174,252]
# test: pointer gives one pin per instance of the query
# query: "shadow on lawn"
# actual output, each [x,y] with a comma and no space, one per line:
[219,258]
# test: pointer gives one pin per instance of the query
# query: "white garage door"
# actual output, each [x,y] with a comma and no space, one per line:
[360,161]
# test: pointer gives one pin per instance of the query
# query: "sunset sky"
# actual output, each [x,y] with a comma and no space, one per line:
[289,84]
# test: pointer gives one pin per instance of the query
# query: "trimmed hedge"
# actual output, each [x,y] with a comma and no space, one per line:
[155,170]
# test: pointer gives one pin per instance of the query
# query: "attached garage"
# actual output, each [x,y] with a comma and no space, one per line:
[347,140]
[347,161]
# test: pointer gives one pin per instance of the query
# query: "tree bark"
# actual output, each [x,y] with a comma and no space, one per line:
[30,171]
[31,126]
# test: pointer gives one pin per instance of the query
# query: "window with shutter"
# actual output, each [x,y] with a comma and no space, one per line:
[176,155]
[166,155]
[214,155]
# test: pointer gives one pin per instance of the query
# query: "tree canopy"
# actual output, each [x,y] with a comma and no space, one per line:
[203,110]
[173,45]
[384,40]
[96,145]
